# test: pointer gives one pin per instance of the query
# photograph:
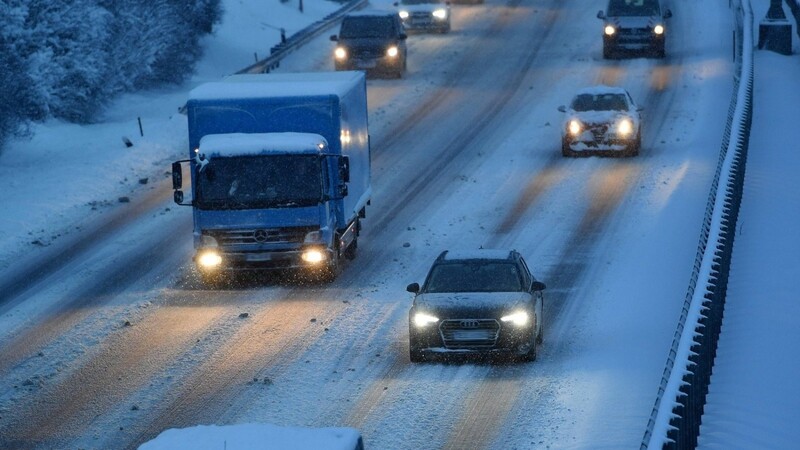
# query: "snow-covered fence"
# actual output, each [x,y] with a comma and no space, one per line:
[293,42]
[675,419]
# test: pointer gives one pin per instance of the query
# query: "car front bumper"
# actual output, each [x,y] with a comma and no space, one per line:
[490,337]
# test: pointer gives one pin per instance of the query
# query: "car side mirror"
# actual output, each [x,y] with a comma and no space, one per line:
[334,37]
[640,108]
[538,286]
[562,108]
[601,15]
[667,14]
[402,36]
[396,4]
[413,288]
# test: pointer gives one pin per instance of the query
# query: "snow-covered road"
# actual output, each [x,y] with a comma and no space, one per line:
[122,342]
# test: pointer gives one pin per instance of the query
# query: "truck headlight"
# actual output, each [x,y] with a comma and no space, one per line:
[519,318]
[440,14]
[340,53]
[209,259]
[313,255]
[574,127]
[609,30]
[392,51]
[658,29]
[422,319]
[625,127]
[403,14]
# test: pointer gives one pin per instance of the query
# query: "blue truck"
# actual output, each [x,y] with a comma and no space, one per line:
[280,172]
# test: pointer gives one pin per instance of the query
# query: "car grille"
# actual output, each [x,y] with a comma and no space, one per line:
[370,52]
[599,131]
[261,236]
[469,333]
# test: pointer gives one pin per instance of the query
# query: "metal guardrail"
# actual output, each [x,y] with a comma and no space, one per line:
[675,419]
[295,41]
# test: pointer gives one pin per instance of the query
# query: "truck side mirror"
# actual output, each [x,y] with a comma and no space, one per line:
[178,197]
[342,191]
[667,14]
[334,37]
[177,175]
[344,169]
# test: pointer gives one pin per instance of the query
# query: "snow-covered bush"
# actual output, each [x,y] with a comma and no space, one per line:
[67,58]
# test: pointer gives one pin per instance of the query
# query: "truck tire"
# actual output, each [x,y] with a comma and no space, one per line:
[335,266]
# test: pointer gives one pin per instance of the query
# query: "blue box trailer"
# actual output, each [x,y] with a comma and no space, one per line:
[280,171]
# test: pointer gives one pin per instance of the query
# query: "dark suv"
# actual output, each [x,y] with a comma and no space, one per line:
[636,25]
[483,302]
[374,41]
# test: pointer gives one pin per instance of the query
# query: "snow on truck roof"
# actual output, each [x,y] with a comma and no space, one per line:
[278,85]
[247,144]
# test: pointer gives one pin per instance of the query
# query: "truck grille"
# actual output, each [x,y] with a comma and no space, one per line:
[261,236]
[469,333]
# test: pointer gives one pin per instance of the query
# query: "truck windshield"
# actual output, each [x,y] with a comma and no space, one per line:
[251,182]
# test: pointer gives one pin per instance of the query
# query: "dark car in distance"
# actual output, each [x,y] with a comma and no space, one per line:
[373,41]
[483,302]
[634,25]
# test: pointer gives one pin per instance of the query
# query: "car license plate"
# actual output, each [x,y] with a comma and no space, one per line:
[259,257]
[365,64]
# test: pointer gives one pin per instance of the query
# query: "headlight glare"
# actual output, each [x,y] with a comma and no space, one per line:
[440,14]
[422,319]
[658,29]
[574,127]
[519,318]
[609,30]
[313,255]
[403,14]
[340,53]
[625,127]
[209,259]
[392,51]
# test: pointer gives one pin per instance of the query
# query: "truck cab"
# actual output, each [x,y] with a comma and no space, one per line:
[280,175]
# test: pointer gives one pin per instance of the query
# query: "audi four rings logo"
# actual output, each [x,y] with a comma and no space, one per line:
[260,235]
[469,323]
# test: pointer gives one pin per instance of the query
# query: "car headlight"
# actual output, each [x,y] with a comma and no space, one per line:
[340,53]
[658,29]
[209,259]
[574,127]
[519,318]
[422,319]
[403,14]
[609,30]
[313,255]
[392,51]
[440,13]
[625,127]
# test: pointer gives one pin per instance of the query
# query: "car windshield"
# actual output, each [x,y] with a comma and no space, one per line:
[367,27]
[474,276]
[627,8]
[599,102]
[250,182]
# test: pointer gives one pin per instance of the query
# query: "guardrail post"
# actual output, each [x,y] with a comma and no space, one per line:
[775,31]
